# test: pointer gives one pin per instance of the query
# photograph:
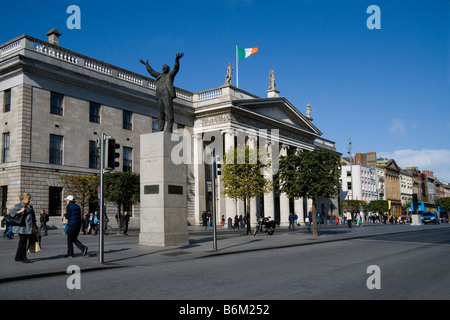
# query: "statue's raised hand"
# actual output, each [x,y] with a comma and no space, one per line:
[179,56]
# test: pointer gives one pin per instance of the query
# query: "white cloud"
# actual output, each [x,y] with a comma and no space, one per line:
[437,161]
[397,127]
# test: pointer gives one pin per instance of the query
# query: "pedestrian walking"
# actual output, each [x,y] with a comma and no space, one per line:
[25,231]
[126,219]
[236,222]
[204,218]
[349,218]
[291,221]
[208,221]
[8,228]
[43,218]
[309,219]
[241,222]
[73,216]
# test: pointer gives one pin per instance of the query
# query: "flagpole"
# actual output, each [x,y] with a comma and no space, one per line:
[237,67]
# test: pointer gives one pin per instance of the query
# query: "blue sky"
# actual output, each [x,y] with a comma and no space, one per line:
[388,89]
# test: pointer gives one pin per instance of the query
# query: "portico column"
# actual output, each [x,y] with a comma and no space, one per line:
[284,200]
[298,208]
[230,204]
[298,203]
[268,197]
[199,174]
[309,204]
[252,145]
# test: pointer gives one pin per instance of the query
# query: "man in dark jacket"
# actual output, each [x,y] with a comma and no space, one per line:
[73,216]
[165,92]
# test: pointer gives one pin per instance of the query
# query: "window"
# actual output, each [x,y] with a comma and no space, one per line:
[4,198]
[7,99]
[56,103]
[6,145]
[94,156]
[127,116]
[154,125]
[55,201]
[94,112]
[127,159]
[56,152]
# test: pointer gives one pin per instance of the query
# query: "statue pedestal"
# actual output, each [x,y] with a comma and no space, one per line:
[416,220]
[163,193]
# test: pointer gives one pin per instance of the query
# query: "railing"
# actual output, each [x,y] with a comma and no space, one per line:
[325,143]
[48,49]
[210,94]
[131,77]
[55,51]
[10,48]
[97,66]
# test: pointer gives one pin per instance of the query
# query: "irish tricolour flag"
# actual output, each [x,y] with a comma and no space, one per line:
[247,52]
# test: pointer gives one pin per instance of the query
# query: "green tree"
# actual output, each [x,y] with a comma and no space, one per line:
[83,188]
[379,206]
[444,203]
[314,175]
[123,189]
[353,205]
[243,176]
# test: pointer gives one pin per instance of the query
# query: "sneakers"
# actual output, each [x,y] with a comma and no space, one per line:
[84,253]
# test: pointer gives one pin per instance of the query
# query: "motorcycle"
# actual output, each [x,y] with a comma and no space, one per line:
[265,225]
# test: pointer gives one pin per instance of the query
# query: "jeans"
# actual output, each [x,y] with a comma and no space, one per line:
[72,237]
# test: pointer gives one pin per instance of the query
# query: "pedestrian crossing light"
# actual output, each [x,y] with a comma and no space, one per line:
[111,154]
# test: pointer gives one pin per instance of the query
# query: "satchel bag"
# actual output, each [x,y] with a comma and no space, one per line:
[16,220]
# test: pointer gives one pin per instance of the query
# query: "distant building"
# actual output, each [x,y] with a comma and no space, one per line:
[359,183]
[406,187]
[392,184]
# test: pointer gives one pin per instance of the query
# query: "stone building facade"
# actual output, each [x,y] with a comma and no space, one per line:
[55,103]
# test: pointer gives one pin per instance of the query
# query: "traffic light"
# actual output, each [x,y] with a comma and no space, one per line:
[111,154]
[218,167]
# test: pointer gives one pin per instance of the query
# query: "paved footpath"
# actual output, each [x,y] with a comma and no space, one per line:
[124,251]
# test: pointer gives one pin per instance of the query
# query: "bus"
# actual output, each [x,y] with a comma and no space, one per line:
[426,206]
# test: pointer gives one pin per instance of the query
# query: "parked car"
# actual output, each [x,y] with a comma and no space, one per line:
[430,217]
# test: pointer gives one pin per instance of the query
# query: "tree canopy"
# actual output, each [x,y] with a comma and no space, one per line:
[314,175]
[83,188]
[243,175]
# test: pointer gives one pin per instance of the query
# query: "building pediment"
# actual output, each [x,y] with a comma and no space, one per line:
[393,166]
[279,110]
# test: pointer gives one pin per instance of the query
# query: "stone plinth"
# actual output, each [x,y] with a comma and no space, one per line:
[416,220]
[163,193]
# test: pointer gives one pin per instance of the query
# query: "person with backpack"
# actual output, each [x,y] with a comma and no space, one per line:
[43,219]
